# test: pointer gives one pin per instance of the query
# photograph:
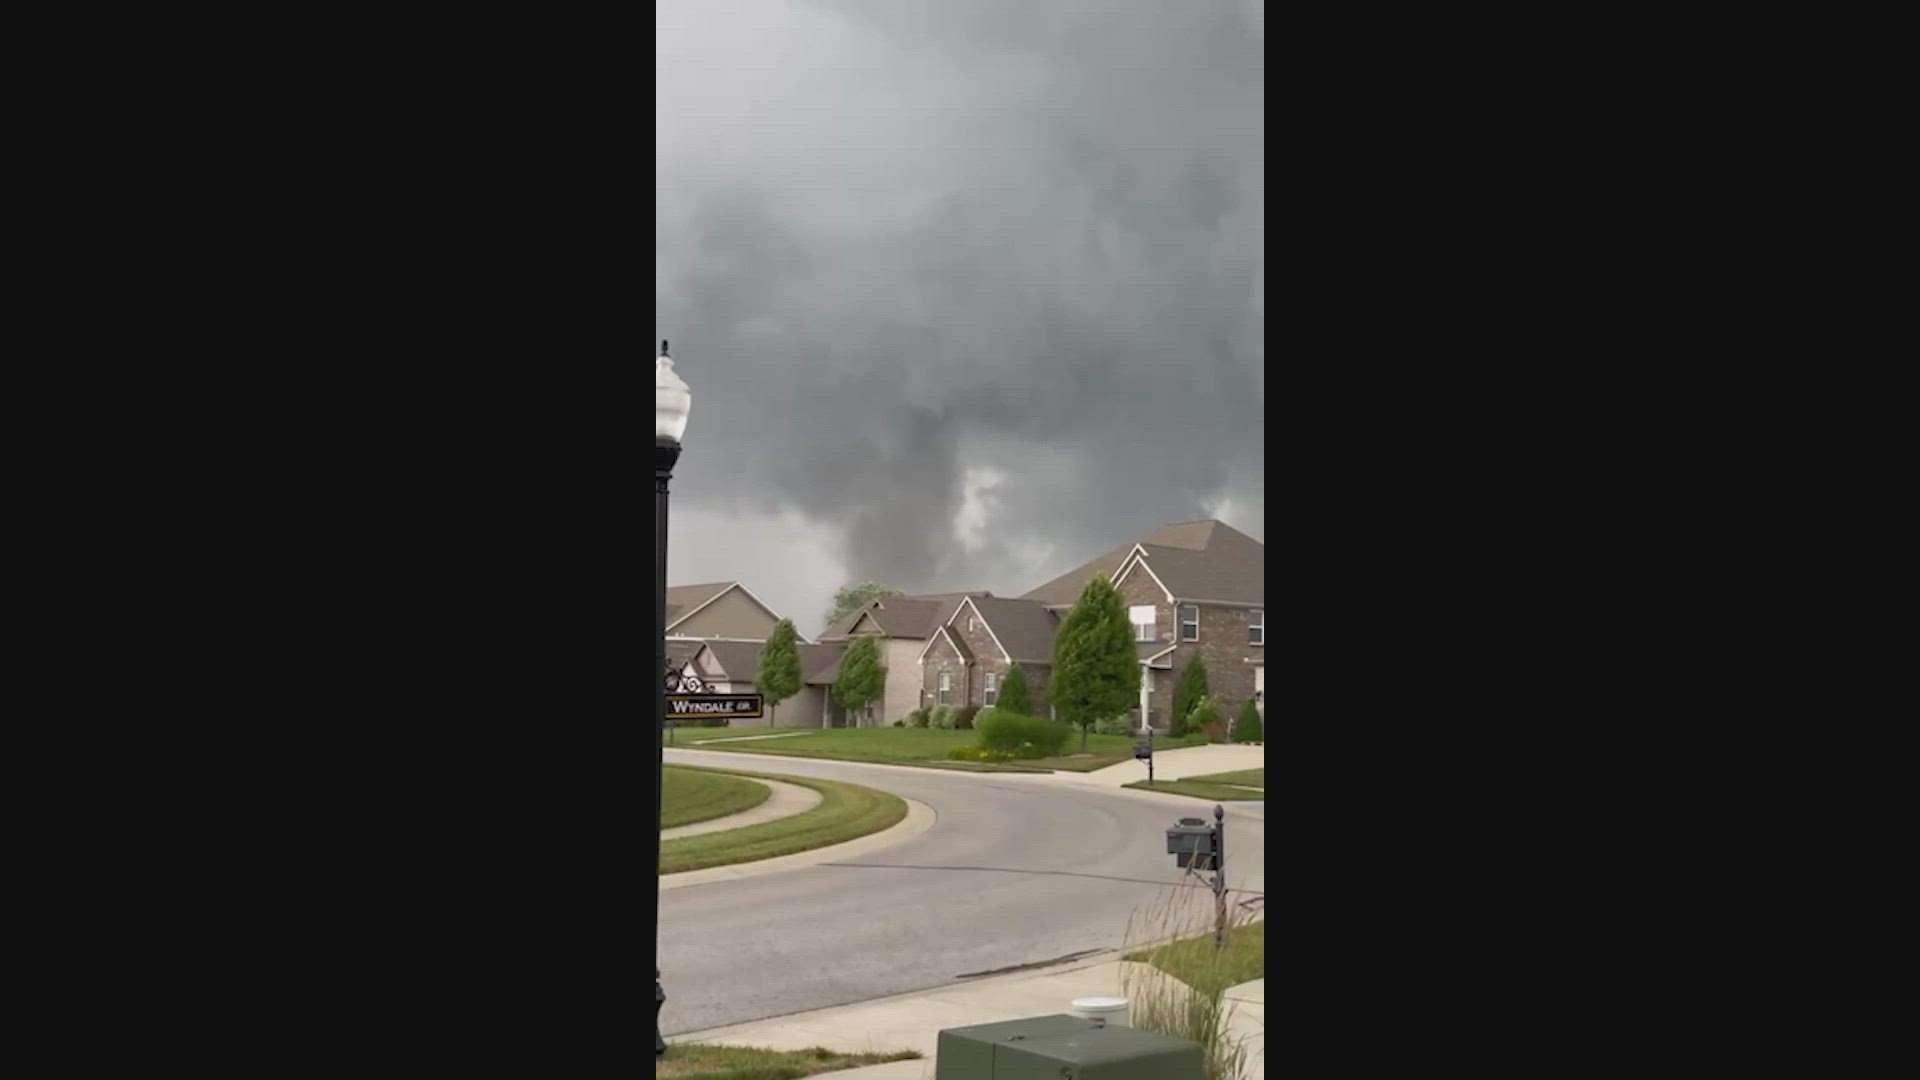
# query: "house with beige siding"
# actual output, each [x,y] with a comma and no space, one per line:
[903,624]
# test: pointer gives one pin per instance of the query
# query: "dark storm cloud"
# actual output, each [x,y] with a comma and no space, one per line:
[905,247]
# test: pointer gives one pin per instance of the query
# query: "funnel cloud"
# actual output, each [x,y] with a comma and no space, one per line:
[967,291]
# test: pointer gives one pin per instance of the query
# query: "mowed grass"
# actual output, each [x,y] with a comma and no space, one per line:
[1196,962]
[923,746]
[699,1061]
[1199,790]
[689,796]
[846,812]
[1244,778]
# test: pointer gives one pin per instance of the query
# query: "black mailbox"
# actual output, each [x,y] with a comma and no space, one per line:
[1189,839]
[1142,749]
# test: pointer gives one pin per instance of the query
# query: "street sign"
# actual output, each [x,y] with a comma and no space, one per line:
[715,706]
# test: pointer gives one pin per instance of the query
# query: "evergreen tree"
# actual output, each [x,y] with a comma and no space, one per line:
[1013,693]
[779,667]
[862,680]
[1096,672]
[1248,729]
[1193,687]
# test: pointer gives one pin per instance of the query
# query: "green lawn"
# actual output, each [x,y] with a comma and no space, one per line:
[692,795]
[921,746]
[1196,962]
[846,812]
[698,1061]
[1199,790]
[1244,778]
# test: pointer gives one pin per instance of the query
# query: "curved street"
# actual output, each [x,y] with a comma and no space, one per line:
[1018,869]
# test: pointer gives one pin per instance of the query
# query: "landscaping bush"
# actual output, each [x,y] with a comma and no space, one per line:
[899,723]
[963,719]
[979,753]
[1119,725]
[917,718]
[1247,728]
[941,717]
[1024,736]
[1206,718]
[704,721]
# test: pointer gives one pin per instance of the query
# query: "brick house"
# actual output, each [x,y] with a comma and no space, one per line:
[904,624]
[1193,588]
[967,659]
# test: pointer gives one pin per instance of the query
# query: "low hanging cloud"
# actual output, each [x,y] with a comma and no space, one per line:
[971,287]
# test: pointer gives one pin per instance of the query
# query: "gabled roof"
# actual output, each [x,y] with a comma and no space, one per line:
[1024,629]
[942,633]
[1196,560]
[906,617]
[683,601]
[679,652]
[820,664]
[739,660]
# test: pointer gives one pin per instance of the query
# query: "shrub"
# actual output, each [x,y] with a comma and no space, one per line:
[978,753]
[941,717]
[704,721]
[1205,717]
[899,723]
[917,718]
[1013,692]
[1023,736]
[963,719]
[1119,725]
[1248,727]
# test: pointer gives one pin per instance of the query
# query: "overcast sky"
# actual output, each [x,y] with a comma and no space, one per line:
[967,291]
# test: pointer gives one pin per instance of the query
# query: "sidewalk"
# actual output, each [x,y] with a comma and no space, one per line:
[786,801]
[914,1021]
[1176,765]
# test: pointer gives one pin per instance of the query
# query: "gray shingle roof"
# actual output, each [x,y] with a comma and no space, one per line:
[1196,560]
[907,617]
[1024,628]
[739,659]
[820,664]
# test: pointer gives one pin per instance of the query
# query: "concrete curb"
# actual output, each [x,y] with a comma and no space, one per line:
[787,800]
[920,817]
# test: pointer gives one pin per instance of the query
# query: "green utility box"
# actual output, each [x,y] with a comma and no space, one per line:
[1063,1048]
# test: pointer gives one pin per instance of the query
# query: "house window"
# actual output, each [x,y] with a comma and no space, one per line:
[946,688]
[1189,623]
[993,686]
[1142,618]
[973,625]
[1256,628]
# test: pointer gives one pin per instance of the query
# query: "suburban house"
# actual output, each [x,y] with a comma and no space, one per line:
[1196,587]
[1193,588]
[966,660]
[904,624]
[716,631]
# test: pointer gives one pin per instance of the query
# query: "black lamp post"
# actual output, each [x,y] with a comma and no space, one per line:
[672,401]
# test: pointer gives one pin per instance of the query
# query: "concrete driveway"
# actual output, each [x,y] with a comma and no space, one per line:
[1016,870]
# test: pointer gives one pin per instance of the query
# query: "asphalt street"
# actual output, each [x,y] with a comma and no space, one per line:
[1017,870]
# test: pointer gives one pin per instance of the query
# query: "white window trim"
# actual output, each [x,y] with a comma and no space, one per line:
[944,695]
[1180,613]
[991,689]
[1257,620]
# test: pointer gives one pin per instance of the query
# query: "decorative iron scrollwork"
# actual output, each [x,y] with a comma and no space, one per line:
[680,682]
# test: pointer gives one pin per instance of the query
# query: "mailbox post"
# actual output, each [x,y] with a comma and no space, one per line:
[1194,845]
[1143,751]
